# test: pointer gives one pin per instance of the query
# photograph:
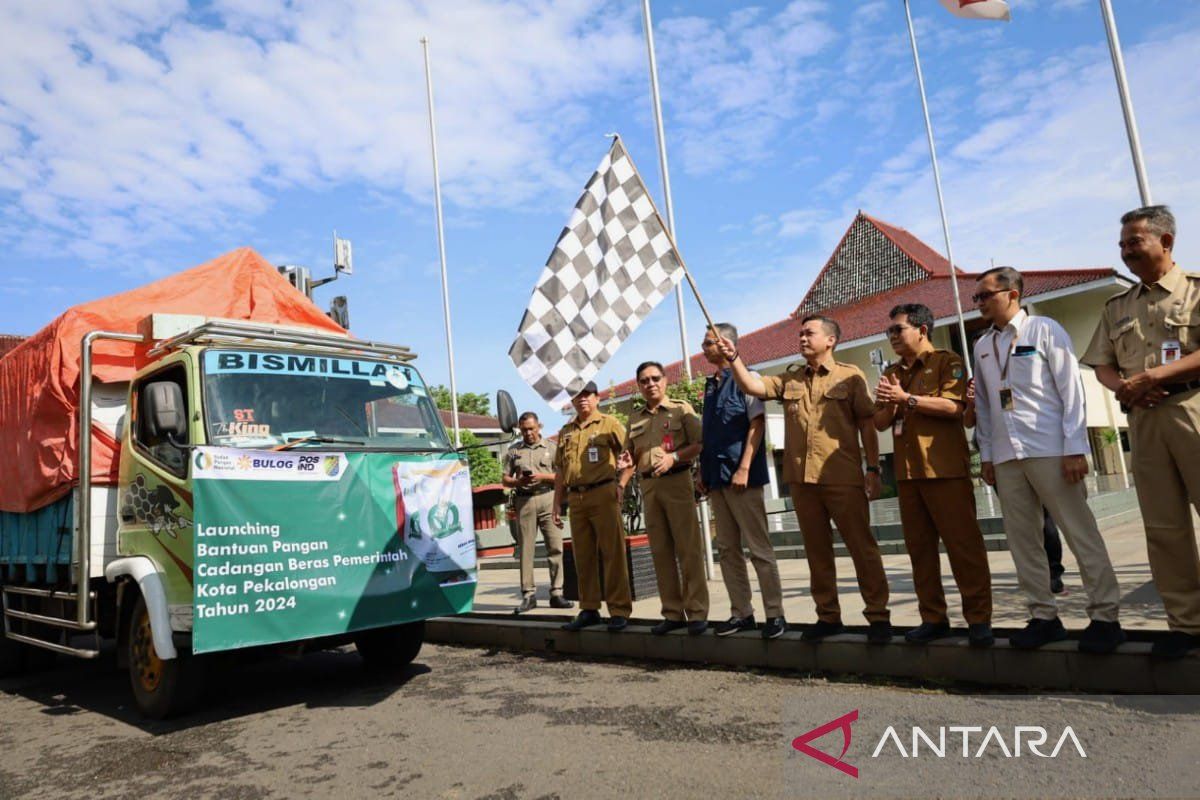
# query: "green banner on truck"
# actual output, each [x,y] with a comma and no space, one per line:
[299,544]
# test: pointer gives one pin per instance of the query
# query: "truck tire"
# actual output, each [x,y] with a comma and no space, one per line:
[390,648]
[13,656]
[161,688]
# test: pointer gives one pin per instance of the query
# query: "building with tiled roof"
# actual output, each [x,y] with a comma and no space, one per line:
[877,266]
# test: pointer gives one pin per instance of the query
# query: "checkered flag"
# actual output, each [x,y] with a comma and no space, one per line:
[611,266]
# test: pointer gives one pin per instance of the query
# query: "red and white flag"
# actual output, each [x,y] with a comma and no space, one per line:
[978,9]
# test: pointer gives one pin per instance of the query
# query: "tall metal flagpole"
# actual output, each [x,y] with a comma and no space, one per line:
[670,209]
[937,180]
[1135,142]
[441,237]
[666,177]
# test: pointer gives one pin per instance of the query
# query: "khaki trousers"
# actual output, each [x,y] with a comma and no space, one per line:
[675,546]
[597,534]
[1025,485]
[534,513]
[815,504]
[1166,467]
[944,508]
[742,521]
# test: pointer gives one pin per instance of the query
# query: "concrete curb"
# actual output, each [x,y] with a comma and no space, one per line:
[1058,666]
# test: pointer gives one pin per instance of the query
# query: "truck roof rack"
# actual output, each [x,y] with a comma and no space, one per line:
[255,333]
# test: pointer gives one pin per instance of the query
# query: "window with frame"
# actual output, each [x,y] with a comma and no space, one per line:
[157,446]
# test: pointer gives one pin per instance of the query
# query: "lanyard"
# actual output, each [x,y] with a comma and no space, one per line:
[996,352]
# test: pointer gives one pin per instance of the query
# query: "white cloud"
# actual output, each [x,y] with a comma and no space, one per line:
[731,88]
[149,121]
[1043,186]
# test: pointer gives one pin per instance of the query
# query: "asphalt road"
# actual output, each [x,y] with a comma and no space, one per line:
[469,723]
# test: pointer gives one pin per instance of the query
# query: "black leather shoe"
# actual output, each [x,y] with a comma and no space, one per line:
[583,619]
[616,624]
[927,632]
[815,633]
[1101,637]
[528,603]
[668,625]
[1175,644]
[1057,586]
[697,627]
[979,634]
[775,627]
[879,632]
[1037,633]
[733,625]
[558,601]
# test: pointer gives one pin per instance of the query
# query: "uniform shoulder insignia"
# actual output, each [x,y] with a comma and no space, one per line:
[1121,293]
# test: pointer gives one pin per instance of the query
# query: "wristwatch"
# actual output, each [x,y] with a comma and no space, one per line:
[873,469]
[911,402]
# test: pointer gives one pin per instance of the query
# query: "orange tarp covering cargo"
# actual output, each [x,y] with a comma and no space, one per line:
[39,380]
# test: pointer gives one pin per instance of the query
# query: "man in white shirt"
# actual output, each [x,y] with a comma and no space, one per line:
[1032,432]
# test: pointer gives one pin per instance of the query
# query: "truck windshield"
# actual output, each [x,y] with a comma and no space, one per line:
[263,398]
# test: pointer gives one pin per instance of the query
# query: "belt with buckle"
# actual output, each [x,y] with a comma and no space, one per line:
[589,486]
[534,493]
[677,468]
[1170,389]
[1179,388]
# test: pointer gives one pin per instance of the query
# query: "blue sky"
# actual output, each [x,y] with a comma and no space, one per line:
[139,138]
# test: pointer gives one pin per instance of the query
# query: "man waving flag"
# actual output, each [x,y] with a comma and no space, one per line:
[612,264]
[978,9]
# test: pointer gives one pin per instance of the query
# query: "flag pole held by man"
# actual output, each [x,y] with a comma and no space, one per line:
[612,264]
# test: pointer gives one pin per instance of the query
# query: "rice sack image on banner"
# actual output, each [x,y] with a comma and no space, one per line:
[434,516]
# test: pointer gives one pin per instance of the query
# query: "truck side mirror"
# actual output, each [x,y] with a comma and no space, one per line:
[506,409]
[166,416]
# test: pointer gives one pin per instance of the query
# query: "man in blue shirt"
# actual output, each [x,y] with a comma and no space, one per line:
[733,471]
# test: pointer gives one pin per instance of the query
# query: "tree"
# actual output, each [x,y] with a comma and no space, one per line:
[691,391]
[485,468]
[468,402]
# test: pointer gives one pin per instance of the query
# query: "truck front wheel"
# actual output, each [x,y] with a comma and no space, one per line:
[390,648]
[13,656]
[161,688]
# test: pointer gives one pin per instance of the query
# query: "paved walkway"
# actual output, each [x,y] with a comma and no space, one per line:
[1141,606]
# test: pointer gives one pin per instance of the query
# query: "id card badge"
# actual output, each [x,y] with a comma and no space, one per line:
[1006,399]
[1171,350]
[897,427]
[593,455]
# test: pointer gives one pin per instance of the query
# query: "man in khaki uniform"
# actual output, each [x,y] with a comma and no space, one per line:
[586,475]
[922,399]
[827,410]
[1146,349]
[664,437]
[529,473]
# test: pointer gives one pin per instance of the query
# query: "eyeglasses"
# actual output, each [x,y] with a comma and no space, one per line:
[649,379]
[979,297]
[895,330]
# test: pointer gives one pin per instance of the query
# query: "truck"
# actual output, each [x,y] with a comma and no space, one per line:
[209,465]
